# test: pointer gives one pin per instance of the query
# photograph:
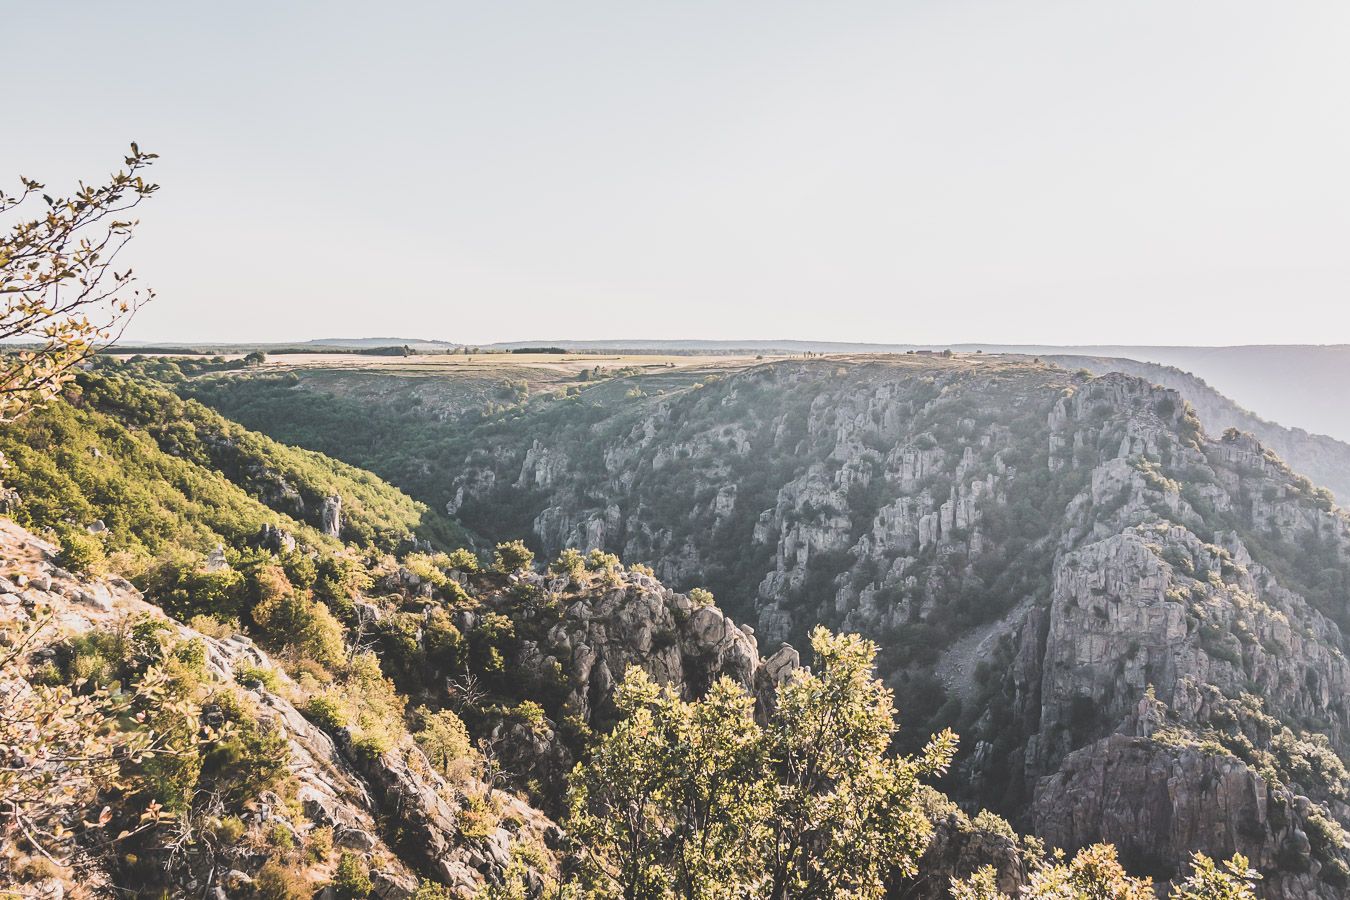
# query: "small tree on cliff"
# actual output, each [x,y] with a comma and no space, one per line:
[61,296]
[512,556]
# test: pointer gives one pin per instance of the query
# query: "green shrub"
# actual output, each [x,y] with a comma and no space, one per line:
[251,676]
[455,595]
[600,561]
[229,831]
[532,714]
[281,837]
[372,744]
[444,738]
[430,890]
[512,556]
[325,712]
[351,879]
[290,617]
[479,818]
[183,588]
[570,562]
[251,759]
[192,654]
[276,881]
[98,657]
[463,560]
[319,844]
[212,627]
[80,550]
[427,568]
[339,579]
[701,597]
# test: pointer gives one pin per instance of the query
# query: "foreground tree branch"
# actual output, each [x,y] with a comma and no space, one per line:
[62,297]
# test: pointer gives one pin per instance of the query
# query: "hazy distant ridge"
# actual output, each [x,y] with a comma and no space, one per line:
[1291,384]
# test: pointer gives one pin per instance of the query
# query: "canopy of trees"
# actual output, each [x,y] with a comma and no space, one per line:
[701,800]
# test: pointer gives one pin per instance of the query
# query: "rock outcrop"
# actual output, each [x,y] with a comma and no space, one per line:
[330,516]
[639,622]
[1152,799]
[608,623]
[1324,459]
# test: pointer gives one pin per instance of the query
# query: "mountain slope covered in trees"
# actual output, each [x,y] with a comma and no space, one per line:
[1067,568]
[160,472]
[362,711]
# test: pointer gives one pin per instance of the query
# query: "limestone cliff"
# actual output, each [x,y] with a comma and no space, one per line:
[1086,579]
[1038,552]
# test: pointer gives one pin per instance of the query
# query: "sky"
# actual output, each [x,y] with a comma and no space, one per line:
[931,171]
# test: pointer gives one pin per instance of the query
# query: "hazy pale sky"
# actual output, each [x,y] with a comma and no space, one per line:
[1053,172]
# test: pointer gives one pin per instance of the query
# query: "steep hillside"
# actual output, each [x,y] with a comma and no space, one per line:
[297,731]
[412,420]
[208,766]
[303,789]
[1323,459]
[240,775]
[277,807]
[145,471]
[1095,592]
[317,712]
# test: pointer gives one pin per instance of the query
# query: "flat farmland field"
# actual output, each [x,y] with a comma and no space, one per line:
[554,364]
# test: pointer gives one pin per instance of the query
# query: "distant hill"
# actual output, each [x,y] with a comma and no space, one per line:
[208,347]
[678,346]
[360,343]
[1271,379]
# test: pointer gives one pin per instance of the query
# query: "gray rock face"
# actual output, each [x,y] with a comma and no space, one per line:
[1167,670]
[956,850]
[330,516]
[272,538]
[639,622]
[9,498]
[1126,615]
[1153,801]
[215,560]
[773,671]
[402,780]
[1050,549]
[580,636]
